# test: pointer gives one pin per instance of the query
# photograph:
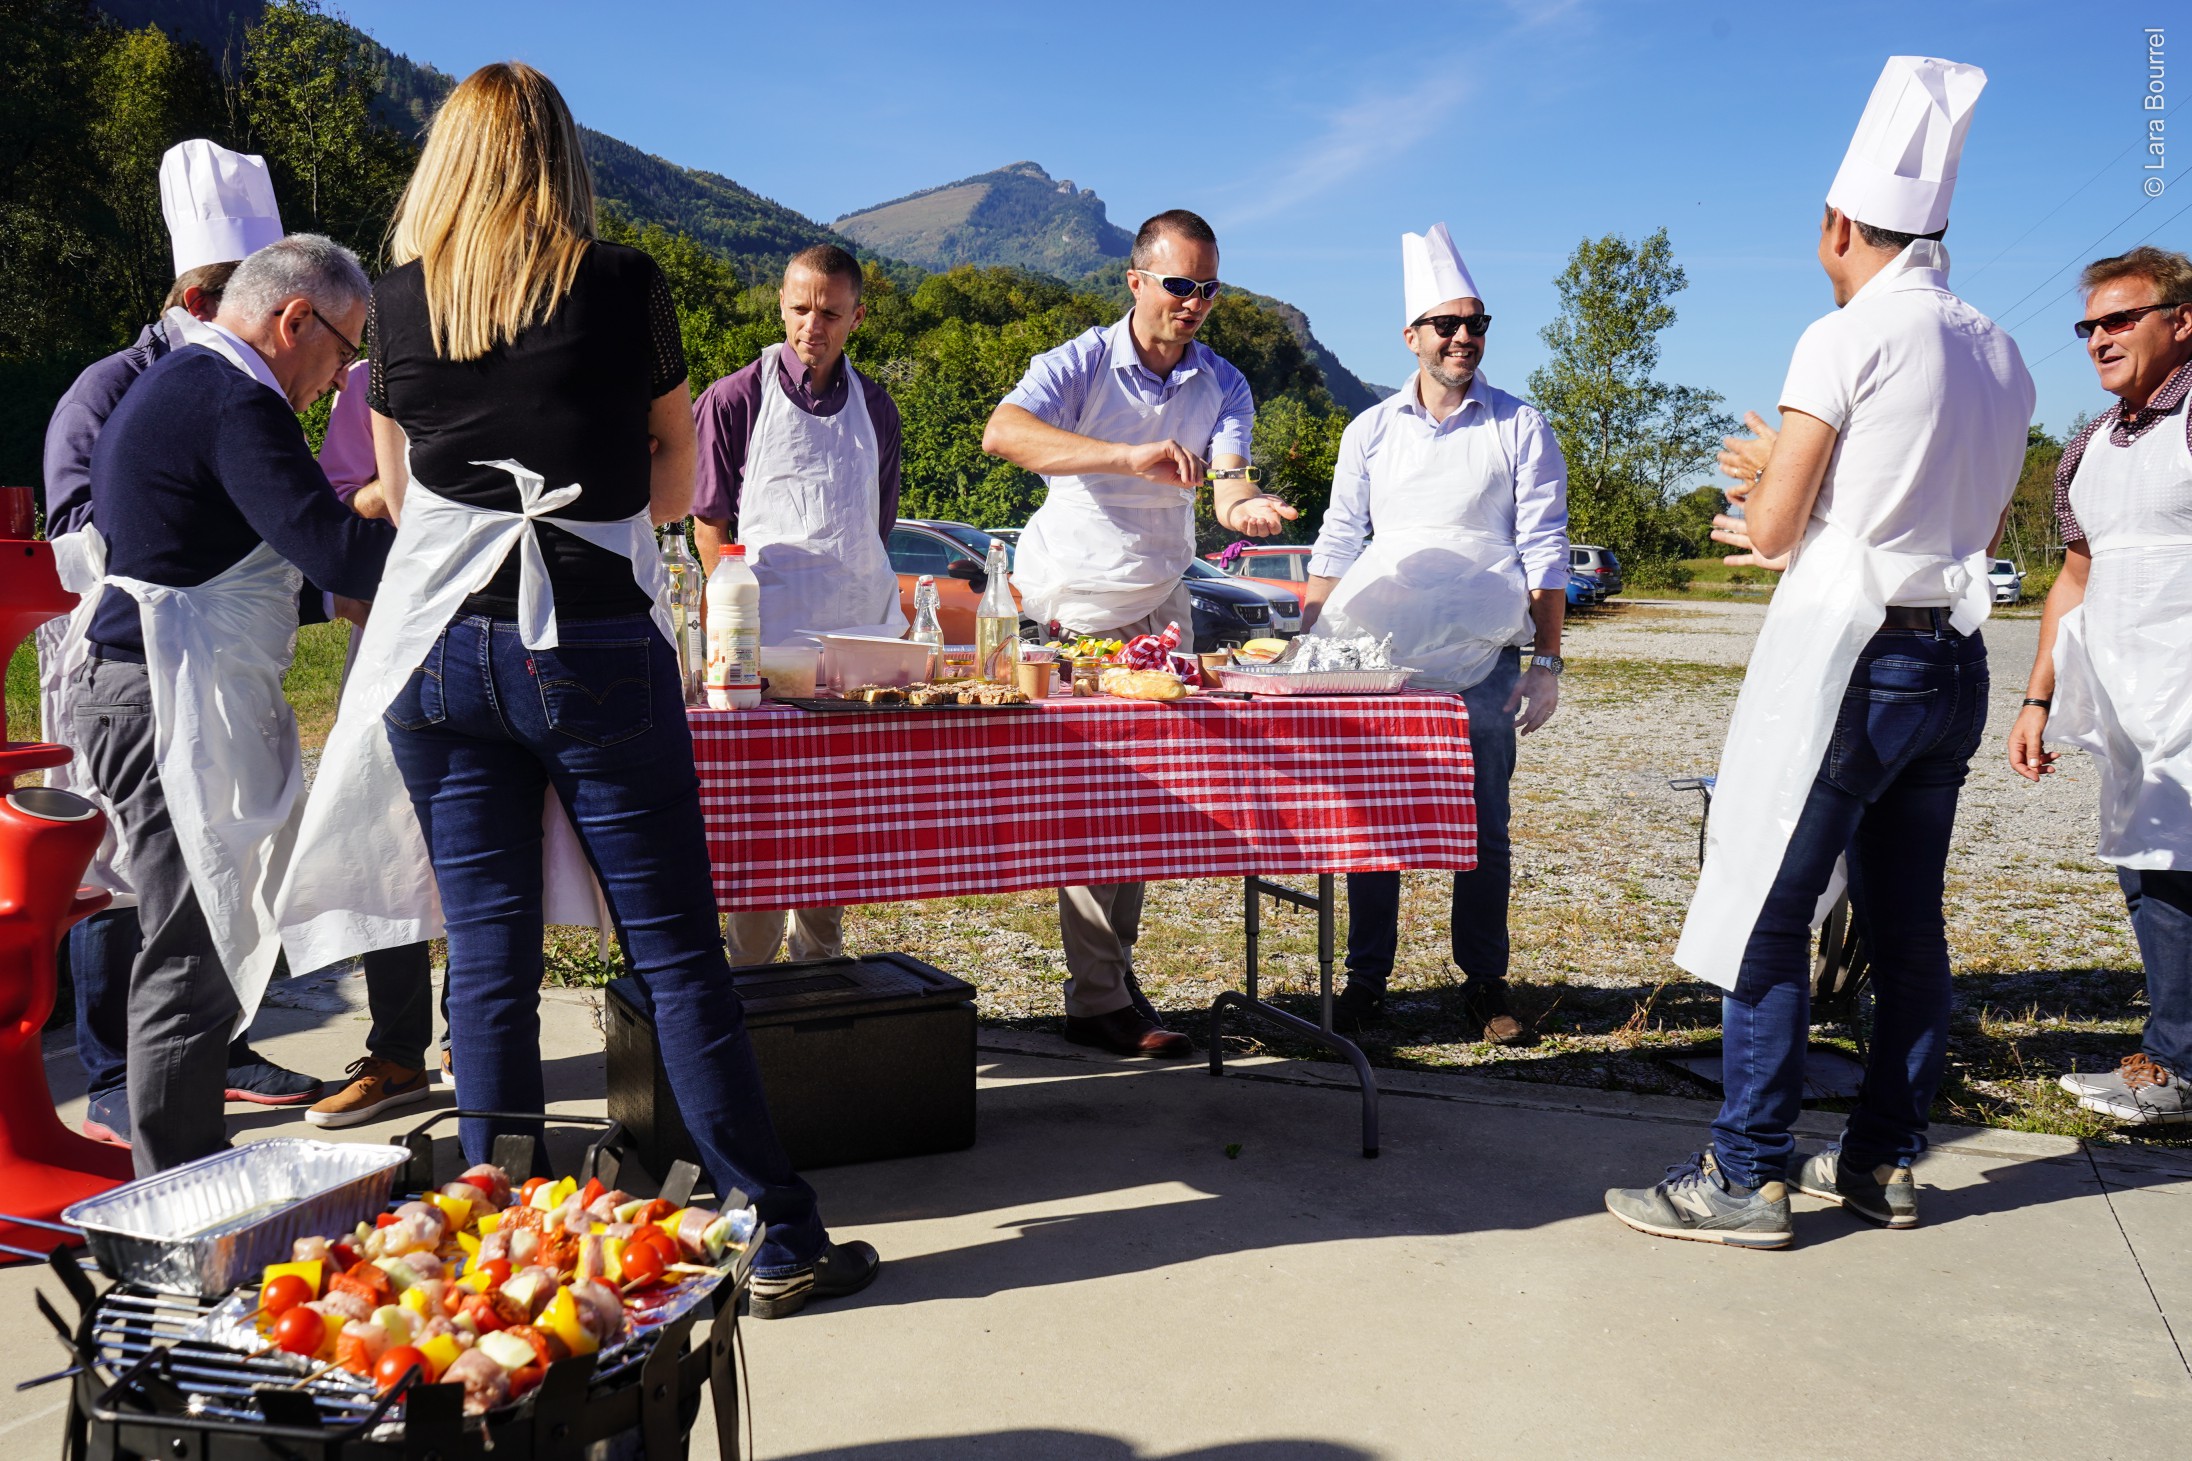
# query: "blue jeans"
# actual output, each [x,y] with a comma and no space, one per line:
[1886,794]
[481,732]
[1478,921]
[100,951]
[2161,916]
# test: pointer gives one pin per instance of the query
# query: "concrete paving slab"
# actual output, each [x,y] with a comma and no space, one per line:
[1097,1279]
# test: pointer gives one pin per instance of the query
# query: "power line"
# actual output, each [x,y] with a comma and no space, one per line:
[2059,207]
[2073,340]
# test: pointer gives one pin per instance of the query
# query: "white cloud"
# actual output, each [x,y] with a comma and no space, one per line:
[1375,128]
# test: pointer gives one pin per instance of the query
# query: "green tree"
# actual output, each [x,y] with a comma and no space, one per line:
[2031,535]
[149,94]
[1630,440]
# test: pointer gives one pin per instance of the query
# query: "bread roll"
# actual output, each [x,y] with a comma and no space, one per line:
[1142,684]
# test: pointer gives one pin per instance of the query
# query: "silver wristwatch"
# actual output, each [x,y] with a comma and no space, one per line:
[1551,662]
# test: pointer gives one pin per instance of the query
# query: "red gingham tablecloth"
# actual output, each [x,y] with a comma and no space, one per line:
[809,808]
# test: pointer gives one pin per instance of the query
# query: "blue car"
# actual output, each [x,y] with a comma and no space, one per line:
[1582,592]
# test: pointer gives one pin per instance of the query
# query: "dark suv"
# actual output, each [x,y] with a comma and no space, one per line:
[1599,566]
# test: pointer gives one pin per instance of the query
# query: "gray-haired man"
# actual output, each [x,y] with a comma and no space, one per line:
[211,504]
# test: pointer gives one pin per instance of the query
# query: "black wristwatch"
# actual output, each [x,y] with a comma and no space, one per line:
[1551,662]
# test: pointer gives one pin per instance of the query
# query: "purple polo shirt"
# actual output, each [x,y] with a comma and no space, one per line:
[726,412]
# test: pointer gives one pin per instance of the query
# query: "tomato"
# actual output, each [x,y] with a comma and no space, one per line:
[385,1220]
[532,1185]
[301,1331]
[397,1363]
[522,1380]
[497,1271]
[346,1257]
[655,1212]
[592,1190]
[643,1264]
[286,1292]
[660,1240]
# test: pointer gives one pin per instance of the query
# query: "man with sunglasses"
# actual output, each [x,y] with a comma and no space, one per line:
[2112,669]
[211,503]
[1126,423]
[1903,421]
[1464,488]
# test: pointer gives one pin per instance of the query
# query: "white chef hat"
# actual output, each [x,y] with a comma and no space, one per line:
[1431,272]
[219,204]
[1901,166]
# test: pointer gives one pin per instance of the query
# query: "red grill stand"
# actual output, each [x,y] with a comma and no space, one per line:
[46,841]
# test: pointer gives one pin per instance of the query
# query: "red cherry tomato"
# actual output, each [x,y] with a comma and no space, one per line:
[590,1191]
[532,1185]
[643,1263]
[286,1292]
[397,1363]
[497,1271]
[385,1220]
[660,1240]
[301,1331]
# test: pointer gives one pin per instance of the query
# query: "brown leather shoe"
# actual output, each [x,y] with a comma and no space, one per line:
[1488,1003]
[1126,1032]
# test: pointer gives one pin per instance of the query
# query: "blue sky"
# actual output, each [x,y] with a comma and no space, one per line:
[1312,135]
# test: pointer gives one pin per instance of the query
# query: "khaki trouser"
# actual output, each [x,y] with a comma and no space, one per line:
[754,938]
[1098,924]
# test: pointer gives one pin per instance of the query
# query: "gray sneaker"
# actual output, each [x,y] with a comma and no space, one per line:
[1885,1195]
[2139,1092]
[1697,1202]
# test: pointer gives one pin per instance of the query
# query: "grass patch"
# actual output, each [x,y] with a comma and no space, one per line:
[1620,680]
[314,681]
[23,694]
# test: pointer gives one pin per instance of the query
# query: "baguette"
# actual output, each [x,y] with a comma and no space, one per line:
[1142,684]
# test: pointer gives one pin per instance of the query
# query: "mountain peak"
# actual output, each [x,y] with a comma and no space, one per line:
[1016,215]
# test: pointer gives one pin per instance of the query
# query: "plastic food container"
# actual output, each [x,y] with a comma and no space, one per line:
[852,660]
[788,671]
[206,1226]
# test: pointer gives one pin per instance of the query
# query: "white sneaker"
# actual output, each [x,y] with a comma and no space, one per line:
[2138,1092]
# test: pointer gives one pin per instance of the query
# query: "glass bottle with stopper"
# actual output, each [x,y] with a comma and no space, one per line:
[996,621]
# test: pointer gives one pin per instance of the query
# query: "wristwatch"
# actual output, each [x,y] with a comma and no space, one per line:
[1551,662]
[1233,474]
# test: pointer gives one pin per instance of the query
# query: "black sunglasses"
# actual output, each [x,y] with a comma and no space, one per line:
[355,350]
[1179,286]
[1475,324]
[2116,323]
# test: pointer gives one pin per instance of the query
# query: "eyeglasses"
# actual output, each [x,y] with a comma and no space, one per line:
[352,349]
[1179,286]
[1475,324]
[2116,323]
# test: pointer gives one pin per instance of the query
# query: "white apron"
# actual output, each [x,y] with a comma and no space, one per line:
[1828,606]
[80,560]
[807,515]
[1107,550]
[2123,657]
[361,878]
[1439,575]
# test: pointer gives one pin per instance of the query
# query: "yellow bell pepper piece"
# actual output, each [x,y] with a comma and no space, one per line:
[416,1301]
[313,1273]
[459,1209]
[560,1318]
[470,1243]
[489,1223]
[441,1352]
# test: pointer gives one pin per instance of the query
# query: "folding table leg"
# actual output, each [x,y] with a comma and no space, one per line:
[1248,1003]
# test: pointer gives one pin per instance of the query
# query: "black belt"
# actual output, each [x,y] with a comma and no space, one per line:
[1931,621]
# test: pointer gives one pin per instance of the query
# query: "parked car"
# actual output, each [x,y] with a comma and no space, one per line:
[1222,617]
[1280,565]
[1010,536]
[1598,565]
[954,554]
[2007,579]
[1582,592]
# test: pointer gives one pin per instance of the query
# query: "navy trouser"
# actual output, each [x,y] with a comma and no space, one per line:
[481,732]
[2161,916]
[99,952]
[1478,924]
[1886,793]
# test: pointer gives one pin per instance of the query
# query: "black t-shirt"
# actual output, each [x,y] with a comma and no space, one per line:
[568,399]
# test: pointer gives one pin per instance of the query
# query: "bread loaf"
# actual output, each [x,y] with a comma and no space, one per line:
[1142,684]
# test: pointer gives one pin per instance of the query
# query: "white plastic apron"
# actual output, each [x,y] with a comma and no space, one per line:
[64,649]
[361,878]
[807,515]
[2123,657]
[1439,576]
[1828,606]
[1106,550]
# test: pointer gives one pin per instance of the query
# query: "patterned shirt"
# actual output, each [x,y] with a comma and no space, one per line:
[2124,427]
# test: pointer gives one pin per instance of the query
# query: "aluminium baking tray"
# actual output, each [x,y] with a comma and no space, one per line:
[204,1227]
[1278,680]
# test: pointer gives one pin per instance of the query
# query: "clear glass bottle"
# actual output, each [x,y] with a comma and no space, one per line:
[928,628]
[683,573]
[996,621]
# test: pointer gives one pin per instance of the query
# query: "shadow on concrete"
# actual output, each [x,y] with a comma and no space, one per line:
[1057,1445]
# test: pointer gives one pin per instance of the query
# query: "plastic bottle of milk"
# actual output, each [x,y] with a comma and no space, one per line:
[734,633]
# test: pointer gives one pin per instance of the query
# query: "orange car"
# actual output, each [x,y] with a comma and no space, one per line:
[952,553]
[1280,565]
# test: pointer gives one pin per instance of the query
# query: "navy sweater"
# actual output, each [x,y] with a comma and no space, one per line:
[197,466]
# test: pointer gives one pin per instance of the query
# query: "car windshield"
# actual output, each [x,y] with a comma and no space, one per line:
[2003,565]
[974,539]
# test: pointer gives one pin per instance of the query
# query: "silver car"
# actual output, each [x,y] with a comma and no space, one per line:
[2007,581]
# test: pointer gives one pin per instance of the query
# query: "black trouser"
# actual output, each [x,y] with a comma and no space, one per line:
[399,986]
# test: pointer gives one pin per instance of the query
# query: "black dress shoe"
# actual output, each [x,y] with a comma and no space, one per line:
[1139,1000]
[1356,1006]
[1486,1001]
[1127,1032]
[843,1268]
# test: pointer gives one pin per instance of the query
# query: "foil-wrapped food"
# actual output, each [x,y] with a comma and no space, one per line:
[1312,653]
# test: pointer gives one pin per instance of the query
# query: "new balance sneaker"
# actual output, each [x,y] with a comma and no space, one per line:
[2141,1092]
[843,1268]
[376,1086]
[254,1078]
[1696,1201]
[1885,1195]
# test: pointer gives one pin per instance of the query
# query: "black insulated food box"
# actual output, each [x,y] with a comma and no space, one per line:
[863,1059]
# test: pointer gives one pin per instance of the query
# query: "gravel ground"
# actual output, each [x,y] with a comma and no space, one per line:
[2047,973]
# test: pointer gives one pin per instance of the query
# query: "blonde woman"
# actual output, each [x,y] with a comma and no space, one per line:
[531,424]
